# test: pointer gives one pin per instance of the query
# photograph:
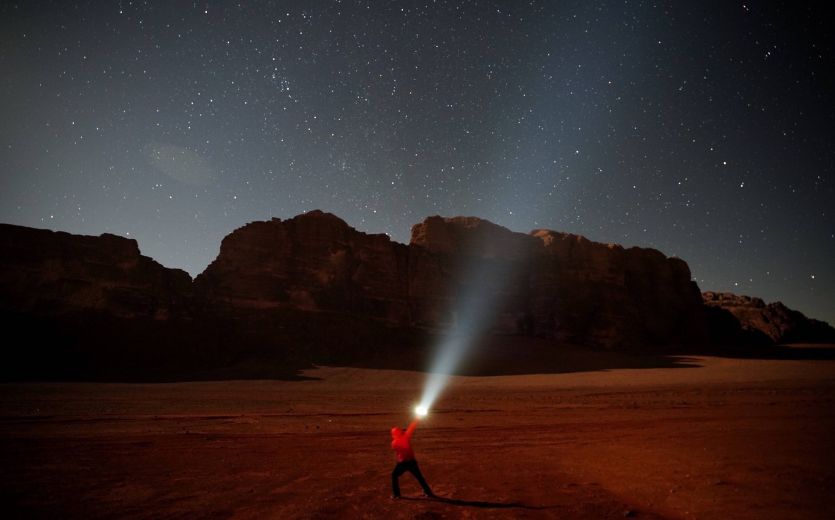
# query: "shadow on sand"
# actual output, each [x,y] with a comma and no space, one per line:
[519,355]
[797,352]
[500,356]
[481,504]
[106,349]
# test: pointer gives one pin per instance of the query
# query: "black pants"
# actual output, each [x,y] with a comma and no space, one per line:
[412,467]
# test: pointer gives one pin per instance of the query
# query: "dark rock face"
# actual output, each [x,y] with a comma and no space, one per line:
[471,237]
[604,295]
[312,289]
[53,272]
[313,262]
[758,322]
[464,266]
[544,284]
[77,305]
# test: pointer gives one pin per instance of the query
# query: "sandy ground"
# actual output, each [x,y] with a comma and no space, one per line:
[720,438]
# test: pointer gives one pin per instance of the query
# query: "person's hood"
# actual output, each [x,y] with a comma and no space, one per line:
[396,432]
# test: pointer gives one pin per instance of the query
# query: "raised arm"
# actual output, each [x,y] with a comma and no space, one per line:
[411,429]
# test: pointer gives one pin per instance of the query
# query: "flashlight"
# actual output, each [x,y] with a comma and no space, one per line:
[421,410]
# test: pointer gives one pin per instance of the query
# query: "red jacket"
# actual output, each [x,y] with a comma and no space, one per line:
[400,442]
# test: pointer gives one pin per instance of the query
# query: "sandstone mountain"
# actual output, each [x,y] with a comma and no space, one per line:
[47,272]
[768,323]
[283,293]
[545,284]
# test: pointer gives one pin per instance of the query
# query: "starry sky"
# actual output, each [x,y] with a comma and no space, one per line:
[703,129]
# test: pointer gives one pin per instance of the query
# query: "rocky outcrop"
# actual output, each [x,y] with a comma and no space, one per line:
[455,271]
[472,237]
[285,293]
[466,269]
[604,295]
[86,307]
[314,262]
[47,272]
[763,323]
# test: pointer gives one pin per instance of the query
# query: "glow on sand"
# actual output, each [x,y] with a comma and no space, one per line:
[472,313]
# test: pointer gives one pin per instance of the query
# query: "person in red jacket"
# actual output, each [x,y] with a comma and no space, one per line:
[401,444]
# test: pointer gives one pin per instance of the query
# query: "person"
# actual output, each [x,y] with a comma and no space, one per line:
[401,444]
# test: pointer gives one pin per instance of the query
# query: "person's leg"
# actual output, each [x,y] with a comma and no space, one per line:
[399,469]
[415,470]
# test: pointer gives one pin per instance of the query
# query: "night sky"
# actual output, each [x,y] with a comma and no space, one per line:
[703,129]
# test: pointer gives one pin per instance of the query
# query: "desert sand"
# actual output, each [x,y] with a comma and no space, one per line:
[705,437]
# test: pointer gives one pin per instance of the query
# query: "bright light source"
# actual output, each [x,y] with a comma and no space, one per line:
[421,411]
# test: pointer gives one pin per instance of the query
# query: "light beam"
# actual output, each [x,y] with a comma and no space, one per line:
[472,313]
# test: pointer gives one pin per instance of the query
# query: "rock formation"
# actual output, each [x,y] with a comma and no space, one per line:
[314,262]
[283,293]
[47,272]
[545,284]
[766,323]
[608,296]
[75,306]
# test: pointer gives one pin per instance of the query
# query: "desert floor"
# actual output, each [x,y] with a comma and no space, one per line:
[704,438]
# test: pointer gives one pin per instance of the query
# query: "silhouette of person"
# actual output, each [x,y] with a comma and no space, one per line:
[401,444]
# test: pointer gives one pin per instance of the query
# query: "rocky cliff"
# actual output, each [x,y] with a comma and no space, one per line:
[312,289]
[544,284]
[605,295]
[83,306]
[47,272]
[314,262]
[765,323]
